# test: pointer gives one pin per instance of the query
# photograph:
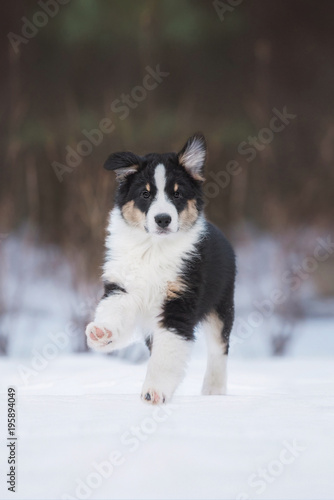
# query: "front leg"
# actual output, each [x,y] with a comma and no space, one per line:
[166,367]
[114,320]
[171,347]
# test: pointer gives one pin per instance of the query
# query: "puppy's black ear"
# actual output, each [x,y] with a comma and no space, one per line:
[123,164]
[192,156]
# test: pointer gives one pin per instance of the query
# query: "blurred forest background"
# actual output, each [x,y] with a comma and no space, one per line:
[229,65]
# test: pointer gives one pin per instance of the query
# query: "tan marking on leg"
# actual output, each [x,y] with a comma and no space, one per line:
[215,375]
[175,288]
[133,215]
[189,215]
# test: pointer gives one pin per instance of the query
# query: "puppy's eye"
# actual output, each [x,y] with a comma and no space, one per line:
[146,194]
[177,194]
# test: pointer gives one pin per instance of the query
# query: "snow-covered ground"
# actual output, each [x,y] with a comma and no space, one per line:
[84,433]
[270,437]
[39,297]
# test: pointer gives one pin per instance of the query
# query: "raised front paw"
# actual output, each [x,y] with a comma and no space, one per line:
[98,337]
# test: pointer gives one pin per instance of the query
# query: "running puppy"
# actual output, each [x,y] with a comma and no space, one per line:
[167,270]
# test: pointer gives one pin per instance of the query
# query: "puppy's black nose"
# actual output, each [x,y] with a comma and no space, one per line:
[163,220]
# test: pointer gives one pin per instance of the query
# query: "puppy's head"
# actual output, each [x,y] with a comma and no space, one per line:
[161,193]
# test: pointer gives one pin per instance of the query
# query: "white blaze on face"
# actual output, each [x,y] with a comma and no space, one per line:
[161,204]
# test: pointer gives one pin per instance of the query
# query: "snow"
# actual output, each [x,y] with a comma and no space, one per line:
[81,410]
[270,437]
[38,286]
[41,299]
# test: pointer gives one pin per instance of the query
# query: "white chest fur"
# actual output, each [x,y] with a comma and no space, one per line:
[144,264]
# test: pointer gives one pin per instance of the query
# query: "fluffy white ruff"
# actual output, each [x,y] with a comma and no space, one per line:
[143,264]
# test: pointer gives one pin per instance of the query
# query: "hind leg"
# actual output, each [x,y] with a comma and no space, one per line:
[217,333]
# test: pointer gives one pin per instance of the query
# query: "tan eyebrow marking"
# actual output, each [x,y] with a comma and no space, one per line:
[148,187]
[176,186]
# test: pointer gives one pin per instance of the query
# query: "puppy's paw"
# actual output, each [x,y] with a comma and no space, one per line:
[99,337]
[214,386]
[157,391]
[153,396]
[213,390]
